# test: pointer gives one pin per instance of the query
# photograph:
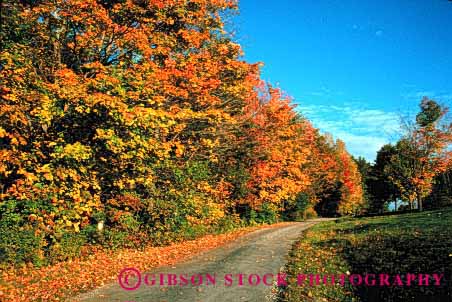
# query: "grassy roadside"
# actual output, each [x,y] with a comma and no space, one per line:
[410,243]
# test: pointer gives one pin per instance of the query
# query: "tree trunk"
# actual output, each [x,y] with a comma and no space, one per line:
[419,201]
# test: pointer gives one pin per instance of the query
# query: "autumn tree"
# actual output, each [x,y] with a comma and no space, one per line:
[124,111]
[352,199]
[337,184]
[282,148]
[142,116]
[422,153]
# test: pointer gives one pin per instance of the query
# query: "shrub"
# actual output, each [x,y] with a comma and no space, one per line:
[68,247]
[20,242]
[310,213]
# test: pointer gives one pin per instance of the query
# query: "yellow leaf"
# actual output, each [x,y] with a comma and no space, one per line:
[48,176]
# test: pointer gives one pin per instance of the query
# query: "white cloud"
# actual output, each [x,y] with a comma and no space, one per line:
[362,145]
[324,92]
[363,130]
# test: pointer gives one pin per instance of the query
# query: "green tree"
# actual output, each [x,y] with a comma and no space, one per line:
[364,167]
[379,185]
[441,194]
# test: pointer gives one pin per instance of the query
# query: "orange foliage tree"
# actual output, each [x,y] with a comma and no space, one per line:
[422,153]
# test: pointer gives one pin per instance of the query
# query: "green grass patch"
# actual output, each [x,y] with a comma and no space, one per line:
[415,243]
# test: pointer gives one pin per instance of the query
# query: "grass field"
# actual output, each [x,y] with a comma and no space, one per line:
[415,243]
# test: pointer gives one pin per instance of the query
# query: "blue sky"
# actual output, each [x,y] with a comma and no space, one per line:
[353,67]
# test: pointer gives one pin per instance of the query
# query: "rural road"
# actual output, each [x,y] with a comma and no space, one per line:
[262,252]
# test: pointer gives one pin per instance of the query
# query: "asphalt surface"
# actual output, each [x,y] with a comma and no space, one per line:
[244,270]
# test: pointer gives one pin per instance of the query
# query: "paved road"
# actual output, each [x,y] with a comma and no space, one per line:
[262,252]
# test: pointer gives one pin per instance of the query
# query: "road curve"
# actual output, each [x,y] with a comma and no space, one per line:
[261,252]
